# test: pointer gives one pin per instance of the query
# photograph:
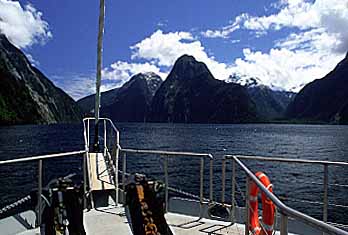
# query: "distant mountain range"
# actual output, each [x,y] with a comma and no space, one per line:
[323,100]
[271,102]
[26,95]
[190,94]
[129,103]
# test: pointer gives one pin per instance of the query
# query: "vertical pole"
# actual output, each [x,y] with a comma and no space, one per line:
[84,180]
[247,215]
[105,145]
[116,165]
[223,181]
[201,188]
[88,133]
[166,180]
[283,224]
[211,181]
[326,188]
[39,199]
[99,69]
[233,202]
[124,169]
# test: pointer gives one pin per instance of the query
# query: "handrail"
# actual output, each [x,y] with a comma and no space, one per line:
[168,154]
[42,157]
[107,119]
[289,160]
[288,211]
[173,153]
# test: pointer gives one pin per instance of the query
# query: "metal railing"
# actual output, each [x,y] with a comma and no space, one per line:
[112,152]
[285,211]
[40,160]
[173,154]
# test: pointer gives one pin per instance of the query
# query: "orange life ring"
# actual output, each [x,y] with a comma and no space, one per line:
[268,208]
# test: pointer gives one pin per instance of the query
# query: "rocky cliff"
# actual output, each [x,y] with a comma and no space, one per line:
[26,95]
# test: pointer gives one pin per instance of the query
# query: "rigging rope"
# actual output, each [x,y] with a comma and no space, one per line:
[15,204]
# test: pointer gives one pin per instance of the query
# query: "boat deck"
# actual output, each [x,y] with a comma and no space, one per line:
[100,178]
[111,220]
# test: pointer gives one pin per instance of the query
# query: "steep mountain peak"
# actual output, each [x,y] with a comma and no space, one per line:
[187,67]
[153,81]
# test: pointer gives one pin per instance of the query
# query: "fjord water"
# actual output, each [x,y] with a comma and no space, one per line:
[291,181]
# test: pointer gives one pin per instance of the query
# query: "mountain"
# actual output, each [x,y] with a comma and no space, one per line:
[271,102]
[191,94]
[323,100]
[87,104]
[129,103]
[26,95]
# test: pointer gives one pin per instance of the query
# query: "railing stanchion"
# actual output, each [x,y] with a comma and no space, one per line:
[84,180]
[166,181]
[211,180]
[116,165]
[247,214]
[39,199]
[283,224]
[124,169]
[201,188]
[88,133]
[223,181]
[233,209]
[104,137]
[326,188]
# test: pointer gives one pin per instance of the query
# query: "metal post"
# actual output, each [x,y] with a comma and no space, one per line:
[116,165]
[84,180]
[166,180]
[39,199]
[233,202]
[247,215]
[201,192]
[223,181]
[326,188]
[211,180]
[88,133]
[124,169]
[99,72]
[283,224]
[105,145]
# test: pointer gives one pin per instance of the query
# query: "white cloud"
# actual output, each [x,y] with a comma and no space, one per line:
[284,68]
[318,44]
[120,72]
[163,49]
[23,26]
[32,61]
[76,85]
[227,30]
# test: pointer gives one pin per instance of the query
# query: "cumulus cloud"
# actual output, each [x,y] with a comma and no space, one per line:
[119,72]
[283,68]
[316,42]
[163,49]
[23,26]
[319,42]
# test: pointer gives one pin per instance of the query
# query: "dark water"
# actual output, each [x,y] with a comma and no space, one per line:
[292,181]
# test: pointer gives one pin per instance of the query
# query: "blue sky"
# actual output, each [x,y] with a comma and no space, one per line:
[284,43]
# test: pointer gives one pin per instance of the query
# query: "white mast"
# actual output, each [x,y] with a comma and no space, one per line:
[99,70]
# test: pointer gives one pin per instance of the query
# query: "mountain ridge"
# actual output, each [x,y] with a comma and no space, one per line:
[323,100]
[27,96]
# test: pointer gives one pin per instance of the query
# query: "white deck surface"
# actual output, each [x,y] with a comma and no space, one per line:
[111,220]
[98,174]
